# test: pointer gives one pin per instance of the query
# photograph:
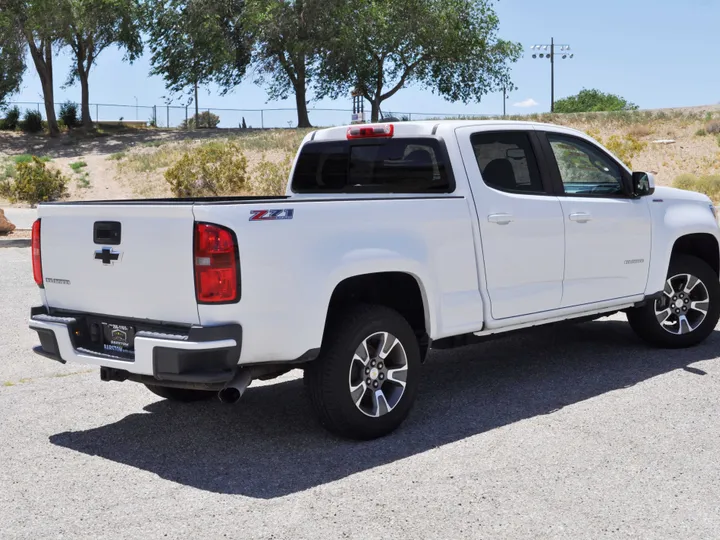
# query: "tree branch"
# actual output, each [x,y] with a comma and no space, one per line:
[401,83]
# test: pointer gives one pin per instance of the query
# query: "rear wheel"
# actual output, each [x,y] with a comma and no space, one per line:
[688,309]
[364,382]
[184,395]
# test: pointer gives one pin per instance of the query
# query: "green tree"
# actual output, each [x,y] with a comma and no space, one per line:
[289,35]
[12,58]
[89,27]
[37,21]
[593,101]
[381,46]
[196,43]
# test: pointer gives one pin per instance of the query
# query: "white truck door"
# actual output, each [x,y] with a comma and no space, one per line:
[521,221]
[607,233]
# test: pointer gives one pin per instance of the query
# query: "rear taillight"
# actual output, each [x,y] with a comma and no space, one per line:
[36,260]
[216,265]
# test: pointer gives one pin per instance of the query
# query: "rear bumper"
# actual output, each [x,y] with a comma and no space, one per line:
[194,354]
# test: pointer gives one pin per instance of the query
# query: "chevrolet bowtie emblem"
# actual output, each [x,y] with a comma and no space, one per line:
[107,255]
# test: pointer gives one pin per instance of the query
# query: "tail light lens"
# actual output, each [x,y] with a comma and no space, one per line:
[36,260]
[216,265]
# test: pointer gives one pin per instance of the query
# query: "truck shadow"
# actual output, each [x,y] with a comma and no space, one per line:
[270,445]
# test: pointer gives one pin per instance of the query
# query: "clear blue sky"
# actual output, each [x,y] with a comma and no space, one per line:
[656,53]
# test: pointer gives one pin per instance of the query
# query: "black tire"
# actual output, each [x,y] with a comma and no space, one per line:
[183,395]
[328,376]
[646,325]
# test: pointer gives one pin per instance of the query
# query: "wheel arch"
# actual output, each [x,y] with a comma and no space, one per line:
[398,290]
[701,245]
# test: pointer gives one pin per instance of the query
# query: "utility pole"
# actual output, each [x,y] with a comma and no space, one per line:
[563,53]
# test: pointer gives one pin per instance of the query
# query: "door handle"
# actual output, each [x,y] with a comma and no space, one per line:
[500,219]
[580,217]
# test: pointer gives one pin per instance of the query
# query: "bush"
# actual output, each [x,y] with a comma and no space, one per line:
[205,119]
[708,185]
[213,169]
[713,127]
[69,114]
[639,131]
[33,182]
[270,178]
[700,133]
[12,117]
[32,122]
[685,181]
[593,101]
[625,148]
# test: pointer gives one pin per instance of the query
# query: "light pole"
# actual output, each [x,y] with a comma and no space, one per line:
[563,52]
[136,107]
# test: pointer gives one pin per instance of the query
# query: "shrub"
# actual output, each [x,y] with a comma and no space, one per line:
[12,117]
[593,101]
[700,133]
[117,156]
[205,119]
[33,182]
[639,131]
[212,169]
[625,148]
[713,127]
[708,185]
[685,181]
[69,114]
[77,165]
[32,122]
[270,178]
[27,158]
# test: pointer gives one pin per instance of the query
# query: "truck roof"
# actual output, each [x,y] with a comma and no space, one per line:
[430,127]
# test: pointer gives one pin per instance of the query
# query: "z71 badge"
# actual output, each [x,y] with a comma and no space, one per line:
[269,215]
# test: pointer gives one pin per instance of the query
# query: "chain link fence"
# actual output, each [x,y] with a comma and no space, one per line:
[174,116]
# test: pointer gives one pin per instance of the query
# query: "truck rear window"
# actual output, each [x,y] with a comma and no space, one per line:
[389,166]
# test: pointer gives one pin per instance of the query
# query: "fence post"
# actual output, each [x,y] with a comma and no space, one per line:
[155,115]
[262,119]
[38,107]
[168,116]
[97,112]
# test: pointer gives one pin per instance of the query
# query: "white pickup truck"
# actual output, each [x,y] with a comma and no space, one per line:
[392,239]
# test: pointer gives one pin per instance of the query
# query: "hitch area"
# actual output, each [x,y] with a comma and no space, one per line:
[229,392]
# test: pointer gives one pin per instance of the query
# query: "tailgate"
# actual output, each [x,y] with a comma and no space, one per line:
[145,274]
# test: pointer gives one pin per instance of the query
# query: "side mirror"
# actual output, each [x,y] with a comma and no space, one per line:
[643,184]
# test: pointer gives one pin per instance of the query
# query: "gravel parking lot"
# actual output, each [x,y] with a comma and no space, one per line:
[571,432]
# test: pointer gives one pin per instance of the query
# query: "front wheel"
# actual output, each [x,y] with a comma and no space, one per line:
[688,310]
[364,382]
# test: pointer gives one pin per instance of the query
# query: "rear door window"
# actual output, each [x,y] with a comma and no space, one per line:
[408,165]
[507,161]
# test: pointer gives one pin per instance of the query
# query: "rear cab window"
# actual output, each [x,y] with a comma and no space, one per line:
[398,165]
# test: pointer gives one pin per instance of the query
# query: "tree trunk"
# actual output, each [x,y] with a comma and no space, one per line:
[375,111]
[42,58]
[49,94]
[85,97]
[301,103]
[197,107]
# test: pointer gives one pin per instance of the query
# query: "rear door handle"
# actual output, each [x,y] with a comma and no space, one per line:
[580,217]
[500,219]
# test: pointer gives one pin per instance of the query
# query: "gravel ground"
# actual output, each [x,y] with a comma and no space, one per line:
[577,432]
